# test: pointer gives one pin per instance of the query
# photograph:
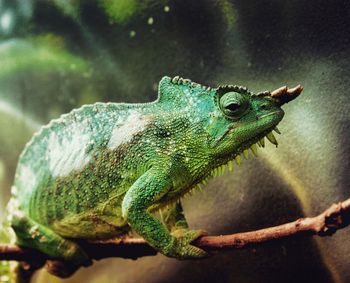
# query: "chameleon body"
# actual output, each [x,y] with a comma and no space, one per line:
[104,169]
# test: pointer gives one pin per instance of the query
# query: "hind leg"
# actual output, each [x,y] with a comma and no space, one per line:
[33,235]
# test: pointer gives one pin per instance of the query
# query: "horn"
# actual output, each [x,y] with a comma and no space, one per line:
[284,94]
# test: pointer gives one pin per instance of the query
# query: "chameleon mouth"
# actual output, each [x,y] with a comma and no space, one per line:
[268,114]
[251,145]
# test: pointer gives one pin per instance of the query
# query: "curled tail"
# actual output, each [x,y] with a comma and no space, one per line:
[8,269]
[12,271]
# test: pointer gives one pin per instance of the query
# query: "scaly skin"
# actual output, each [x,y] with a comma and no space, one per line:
[102,170]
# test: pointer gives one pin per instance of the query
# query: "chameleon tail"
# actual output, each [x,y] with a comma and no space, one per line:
[8,270]
[12,271]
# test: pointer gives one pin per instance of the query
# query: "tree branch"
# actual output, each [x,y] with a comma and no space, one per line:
[327,223]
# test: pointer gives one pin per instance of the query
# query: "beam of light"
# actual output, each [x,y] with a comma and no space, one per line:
[301,191]
[2,170]
[297,185]
[7,108]
[7,21]
[94,44]
[33,125]
[99,49]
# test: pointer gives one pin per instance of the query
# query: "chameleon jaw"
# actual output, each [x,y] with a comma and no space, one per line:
[221,169]
[253,146]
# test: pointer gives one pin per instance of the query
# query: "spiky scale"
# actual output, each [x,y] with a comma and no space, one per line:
[219,171]
[262,141]
[238,159]
[230,165]
[254,149]
[272,138]
[175,79]
[277,130]
[246,153]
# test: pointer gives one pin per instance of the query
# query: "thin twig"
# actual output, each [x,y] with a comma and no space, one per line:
[337,216]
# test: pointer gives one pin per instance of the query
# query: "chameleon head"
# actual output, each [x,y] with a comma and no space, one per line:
[219,124]
[247,118]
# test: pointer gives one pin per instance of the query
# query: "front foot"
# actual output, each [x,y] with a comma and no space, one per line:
[182,248]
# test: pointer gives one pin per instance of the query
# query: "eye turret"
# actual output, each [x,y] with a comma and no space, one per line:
[233,104]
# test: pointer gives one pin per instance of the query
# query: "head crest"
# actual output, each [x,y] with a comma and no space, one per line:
[187,82]
[236,88]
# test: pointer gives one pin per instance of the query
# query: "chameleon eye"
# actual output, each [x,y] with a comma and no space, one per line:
[233,104]
[232,107]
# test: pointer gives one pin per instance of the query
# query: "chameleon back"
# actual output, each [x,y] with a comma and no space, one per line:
[72,172]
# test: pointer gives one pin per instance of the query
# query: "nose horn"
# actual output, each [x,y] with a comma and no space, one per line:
[284,94]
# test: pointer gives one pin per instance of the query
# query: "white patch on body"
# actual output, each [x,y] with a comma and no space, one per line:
[13,209]
[66,154]
[27,179]
[125,129]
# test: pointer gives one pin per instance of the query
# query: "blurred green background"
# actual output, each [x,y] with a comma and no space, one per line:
[57,55]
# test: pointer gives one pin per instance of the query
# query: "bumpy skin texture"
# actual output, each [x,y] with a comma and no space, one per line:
[103,169]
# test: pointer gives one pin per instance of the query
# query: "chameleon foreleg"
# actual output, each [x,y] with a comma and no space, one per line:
[144,193]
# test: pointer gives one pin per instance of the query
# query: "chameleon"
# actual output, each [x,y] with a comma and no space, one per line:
[105,169]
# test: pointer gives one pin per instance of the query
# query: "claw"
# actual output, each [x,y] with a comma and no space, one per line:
[184,248]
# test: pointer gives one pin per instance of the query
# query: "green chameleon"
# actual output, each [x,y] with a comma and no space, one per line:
[105,169]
